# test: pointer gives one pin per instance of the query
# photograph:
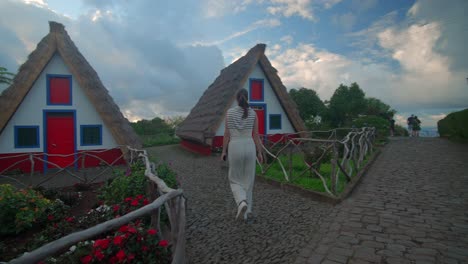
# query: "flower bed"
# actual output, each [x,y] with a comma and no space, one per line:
[135,242]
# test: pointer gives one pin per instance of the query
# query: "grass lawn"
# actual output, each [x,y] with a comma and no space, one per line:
[158,140]
[307,180]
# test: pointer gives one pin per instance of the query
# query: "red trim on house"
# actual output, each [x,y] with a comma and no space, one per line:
[8,159]
[108,156]
[196,147]
[24,165]
[218,142]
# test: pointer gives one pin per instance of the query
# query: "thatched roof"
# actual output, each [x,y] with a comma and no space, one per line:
[58,41]
[206,116]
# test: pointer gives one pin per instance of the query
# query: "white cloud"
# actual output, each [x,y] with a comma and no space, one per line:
[288,8]
[345,21]
[363,5]
[146,74]
[328,3]
[264,23]
[288,39]
[40,3]
[220,8]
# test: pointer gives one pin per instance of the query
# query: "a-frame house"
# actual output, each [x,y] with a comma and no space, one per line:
[57,108]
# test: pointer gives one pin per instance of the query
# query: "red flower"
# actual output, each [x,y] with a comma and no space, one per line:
[140,196]
[118,240]
[132,230]
[130,257]
[123,229]
[128,199]
[50,217]
[113,260]
[152,232]
[163,243]
[70,219]
[121,255]
[134,202]
[86,259]
[98,254]
[144,248]
[145,201]
[116,208]
[55,225]
[101,243]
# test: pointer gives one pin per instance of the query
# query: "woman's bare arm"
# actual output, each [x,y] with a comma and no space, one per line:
[226,138]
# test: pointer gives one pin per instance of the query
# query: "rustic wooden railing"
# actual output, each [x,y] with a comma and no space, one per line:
[73,168]
[174,203]
[346,153]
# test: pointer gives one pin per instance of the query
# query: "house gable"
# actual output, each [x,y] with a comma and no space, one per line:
[270,99]
[31,111]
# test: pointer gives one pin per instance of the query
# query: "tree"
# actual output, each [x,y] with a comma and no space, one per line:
[308,103]
[345,104]
[376,107]
[5,76]
[152,127]
[174,121]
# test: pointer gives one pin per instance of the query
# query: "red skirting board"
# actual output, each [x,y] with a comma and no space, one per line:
[196,147]
[22,162]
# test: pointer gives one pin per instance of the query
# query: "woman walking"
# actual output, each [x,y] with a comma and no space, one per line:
[242,145]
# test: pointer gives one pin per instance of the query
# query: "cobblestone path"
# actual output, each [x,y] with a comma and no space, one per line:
[411,207]
[283,224]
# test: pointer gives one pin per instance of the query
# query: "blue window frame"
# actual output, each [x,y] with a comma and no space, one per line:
[27,137]
[91,135]
[275,121]
[65,99]
[256,90]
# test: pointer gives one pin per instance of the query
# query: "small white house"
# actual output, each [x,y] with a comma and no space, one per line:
[277,114]
[57,108]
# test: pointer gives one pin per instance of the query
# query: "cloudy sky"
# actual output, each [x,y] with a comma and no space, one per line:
[157,57]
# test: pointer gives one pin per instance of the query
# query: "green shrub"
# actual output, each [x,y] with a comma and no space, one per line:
[126,184]
[401,131]
[167,175]
[454,126]
[21,209]
[159,140]
[381,124]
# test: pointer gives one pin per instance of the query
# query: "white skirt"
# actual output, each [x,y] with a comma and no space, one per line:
[242,161]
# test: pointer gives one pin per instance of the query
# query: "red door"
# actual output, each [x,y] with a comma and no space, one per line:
[260,119]
[60,139]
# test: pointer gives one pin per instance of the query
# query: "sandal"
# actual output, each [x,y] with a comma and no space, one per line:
[241,209]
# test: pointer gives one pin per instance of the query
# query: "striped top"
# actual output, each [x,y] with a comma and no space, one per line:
[235,120]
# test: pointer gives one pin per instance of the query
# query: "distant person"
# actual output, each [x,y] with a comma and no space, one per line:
[392,126]
[243,147]
[409,122]
[416,126]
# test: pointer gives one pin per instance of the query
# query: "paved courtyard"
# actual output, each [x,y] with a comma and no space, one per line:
[411,207]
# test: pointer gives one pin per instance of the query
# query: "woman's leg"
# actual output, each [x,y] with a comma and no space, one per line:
[249,171]
[236,172]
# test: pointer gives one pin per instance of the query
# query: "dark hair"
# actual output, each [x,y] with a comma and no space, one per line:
[242,101]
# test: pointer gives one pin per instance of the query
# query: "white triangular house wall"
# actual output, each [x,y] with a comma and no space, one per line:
[273,105]
[30,112]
